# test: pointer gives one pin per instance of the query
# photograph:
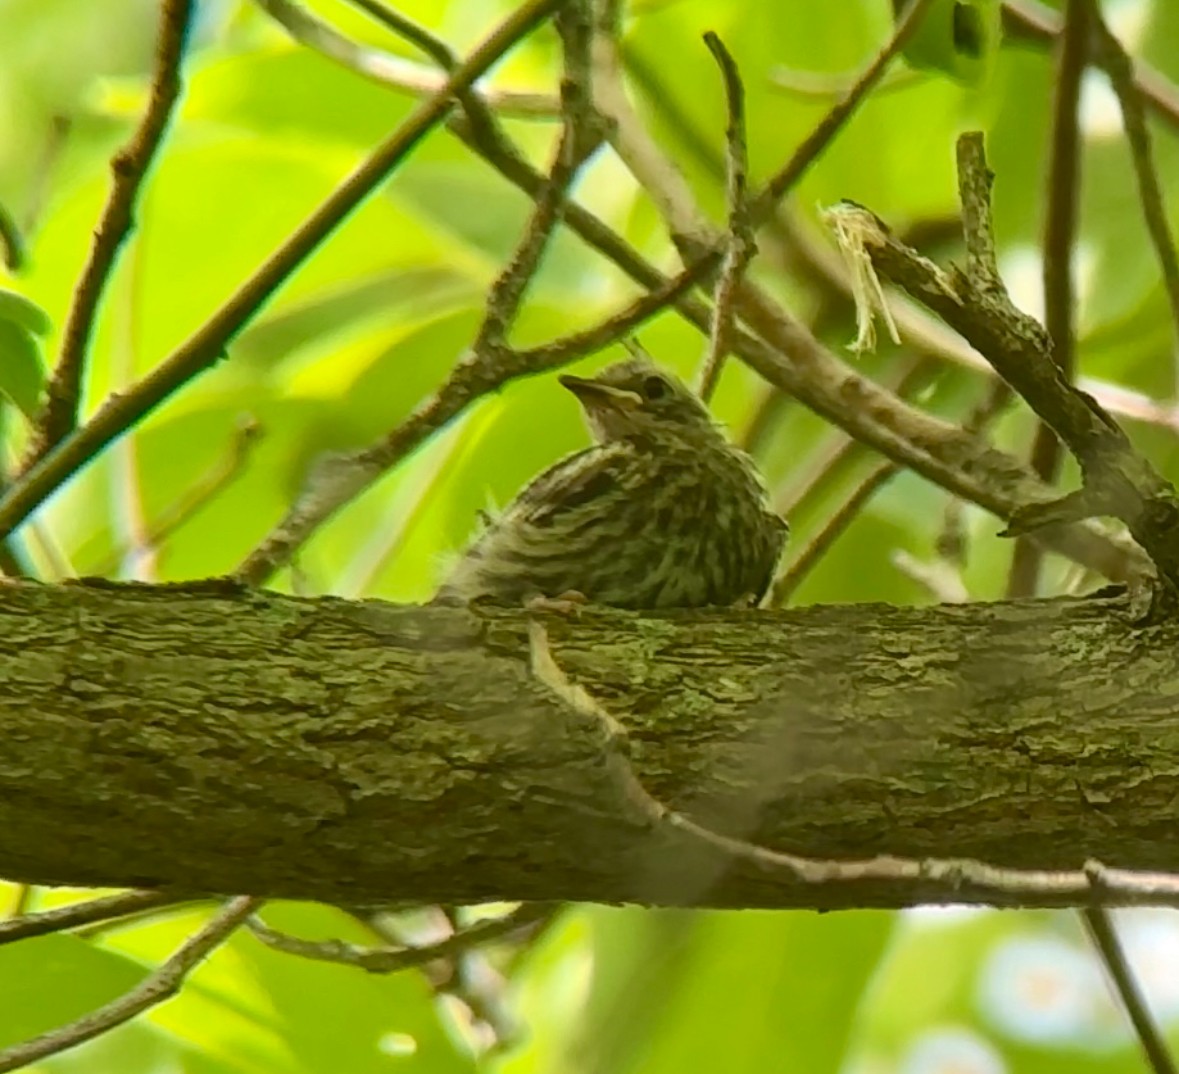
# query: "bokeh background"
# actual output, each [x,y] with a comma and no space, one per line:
[370,327]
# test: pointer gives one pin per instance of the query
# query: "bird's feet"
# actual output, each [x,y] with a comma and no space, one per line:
[568,603]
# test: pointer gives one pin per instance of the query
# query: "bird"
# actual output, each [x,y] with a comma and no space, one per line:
[662,511]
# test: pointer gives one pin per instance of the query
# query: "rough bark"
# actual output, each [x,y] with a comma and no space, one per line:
[210,739]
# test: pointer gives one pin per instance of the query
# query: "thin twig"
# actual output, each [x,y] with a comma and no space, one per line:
[828,85]
[129,167]
[787,583]
[338,480]
[740,244]
[796,364]
[830,125]
[396,72]
[1101,929]
[394,959]
[469,977]
[207,344]
[1060,228]
[810,479]
[106,908]
[1117,64]
[578,140]
[160,985]
[940,578]
[1118,480]
[223,473]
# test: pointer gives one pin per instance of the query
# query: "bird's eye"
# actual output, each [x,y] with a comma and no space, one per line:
[654,388]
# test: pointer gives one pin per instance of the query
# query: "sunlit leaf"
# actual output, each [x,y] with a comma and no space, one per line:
[22,374]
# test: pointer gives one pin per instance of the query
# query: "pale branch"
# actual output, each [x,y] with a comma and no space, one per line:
[1118,481]
[811,481]
[398,73]
[129,167]
[208,738]
[393,959]
[161,984]
[207,344]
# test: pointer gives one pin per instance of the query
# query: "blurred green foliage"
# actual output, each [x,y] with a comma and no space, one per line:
[368,329]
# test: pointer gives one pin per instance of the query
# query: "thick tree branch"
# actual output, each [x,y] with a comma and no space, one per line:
[208,738]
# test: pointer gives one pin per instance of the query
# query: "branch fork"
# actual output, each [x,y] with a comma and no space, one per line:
[1117,480]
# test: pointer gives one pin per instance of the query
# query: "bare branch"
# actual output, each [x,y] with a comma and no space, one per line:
[396,72]
[160,985]
[829,126]
[59,417]
[578,140]
[802,564]
[207,344]
[106,908]
[1101,928]
[740,244]
[1118,481]
[1061,196]
[395,959]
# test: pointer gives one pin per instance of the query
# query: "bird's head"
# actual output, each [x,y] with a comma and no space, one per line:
[637,398]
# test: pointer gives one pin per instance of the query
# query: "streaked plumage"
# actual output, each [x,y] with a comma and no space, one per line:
[662,512]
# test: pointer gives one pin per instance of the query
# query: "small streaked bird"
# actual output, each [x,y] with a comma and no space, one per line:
[661,512]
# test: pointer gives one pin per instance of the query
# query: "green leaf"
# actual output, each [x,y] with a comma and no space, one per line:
[22,373]
[51,980]
[20,310]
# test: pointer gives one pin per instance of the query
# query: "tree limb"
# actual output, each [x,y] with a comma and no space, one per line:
[209,738]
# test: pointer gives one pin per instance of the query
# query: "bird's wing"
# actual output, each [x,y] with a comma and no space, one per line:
[576,482]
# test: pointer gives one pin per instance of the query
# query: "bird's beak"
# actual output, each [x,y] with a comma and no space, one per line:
[593,393]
